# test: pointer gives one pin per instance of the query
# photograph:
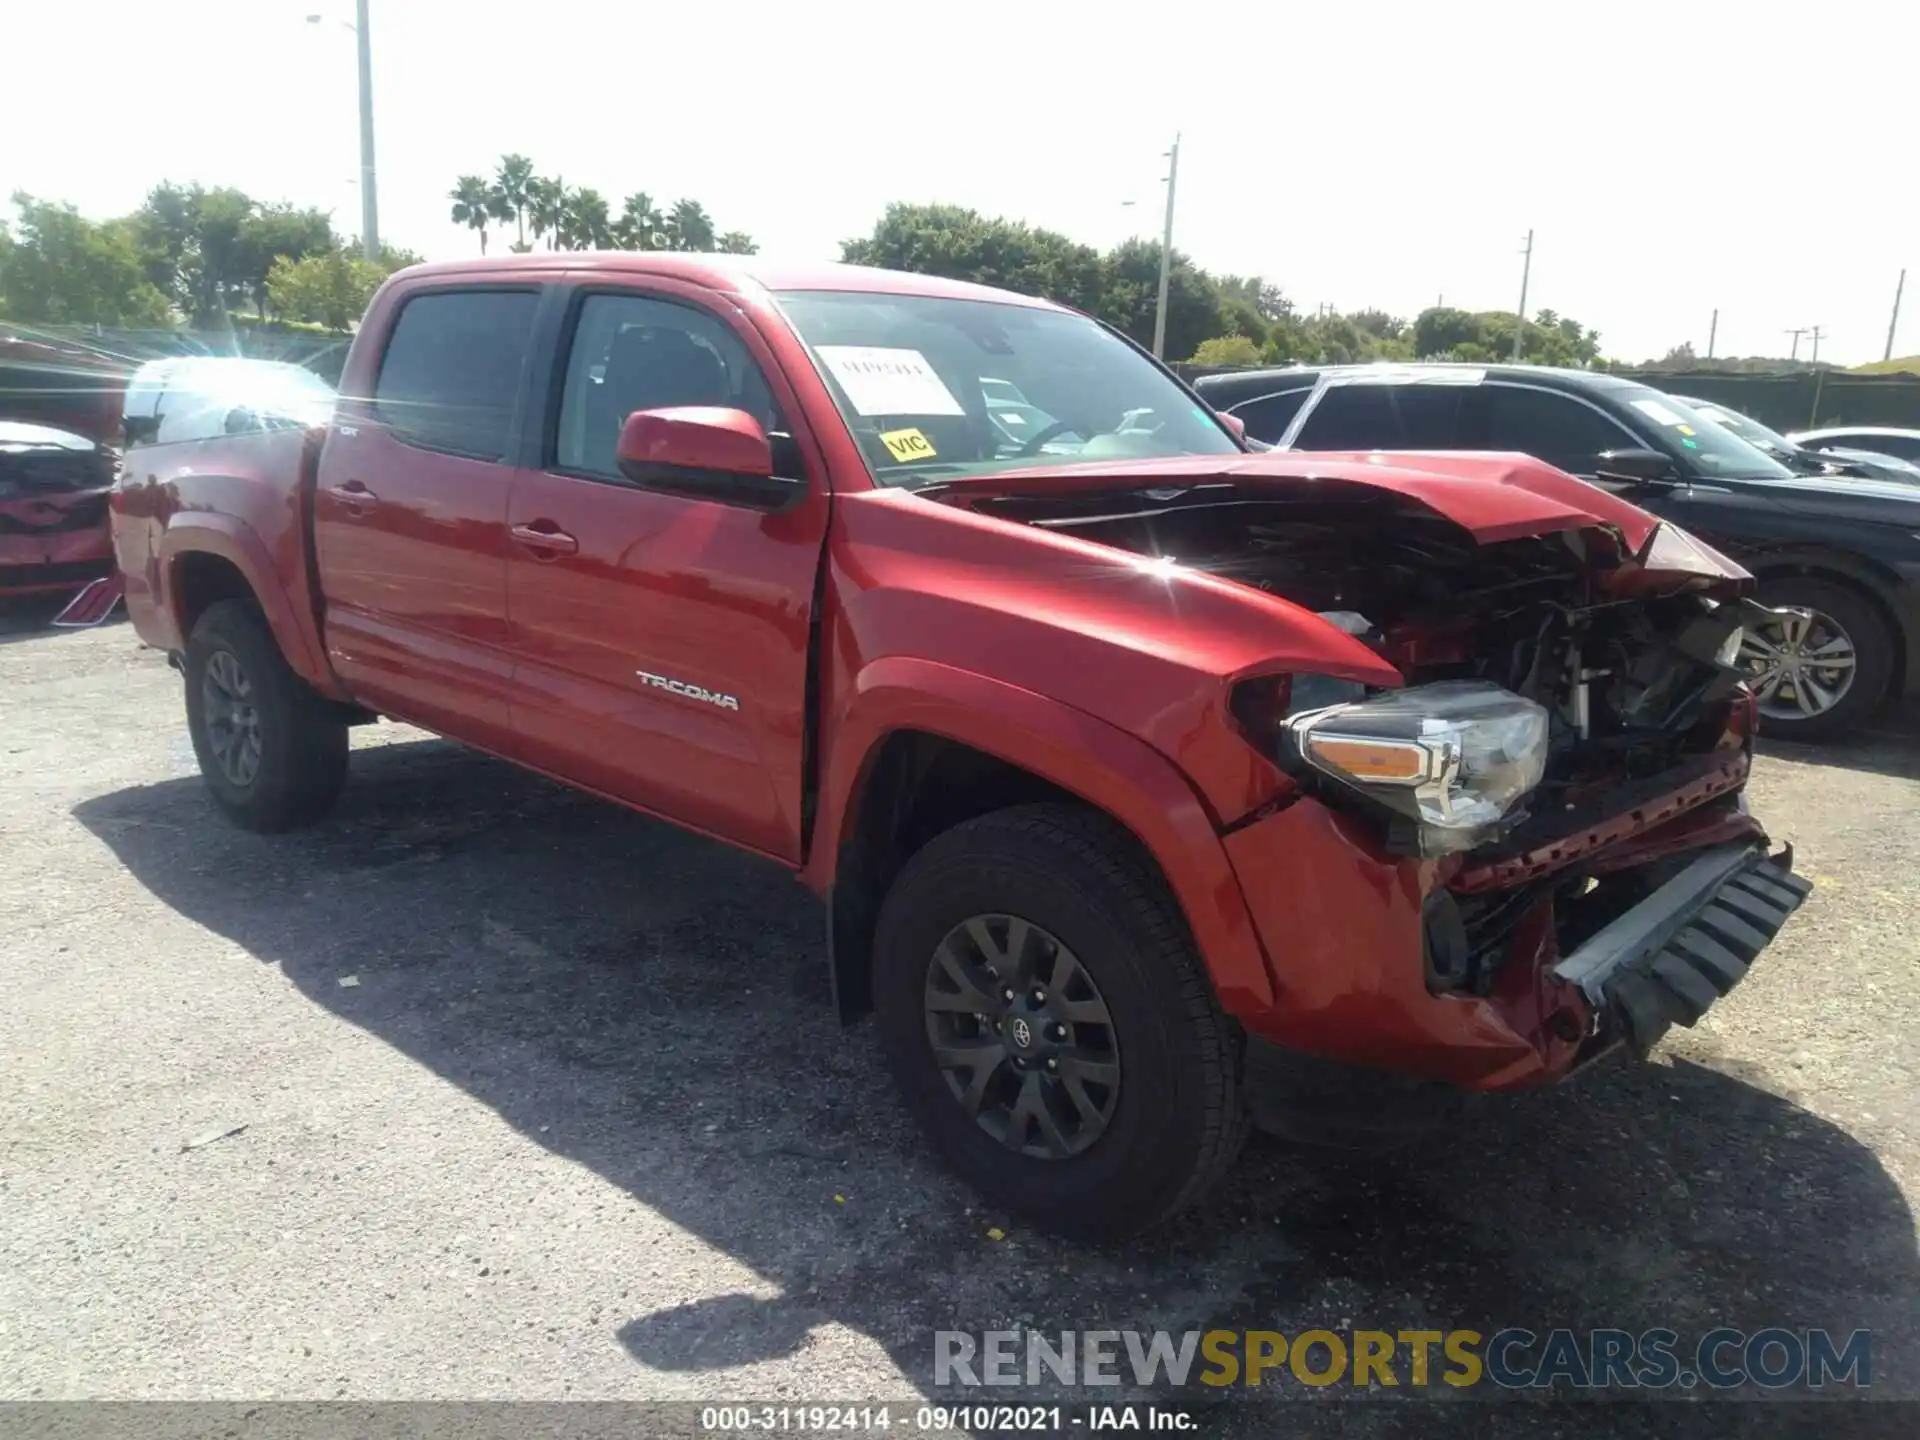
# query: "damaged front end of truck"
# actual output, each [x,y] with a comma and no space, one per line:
[1532,848]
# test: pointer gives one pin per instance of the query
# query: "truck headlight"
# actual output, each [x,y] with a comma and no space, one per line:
[1456,757]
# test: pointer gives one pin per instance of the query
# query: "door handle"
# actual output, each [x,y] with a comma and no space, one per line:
[355,496]
[534,537]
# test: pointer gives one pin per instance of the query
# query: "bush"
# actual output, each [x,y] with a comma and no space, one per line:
[1227,350]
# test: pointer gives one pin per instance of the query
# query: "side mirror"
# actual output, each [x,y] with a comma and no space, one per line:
[242,421]
[1235,424]
[710,452]
[1639,466]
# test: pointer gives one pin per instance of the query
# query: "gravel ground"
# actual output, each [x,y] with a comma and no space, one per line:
[520,1096]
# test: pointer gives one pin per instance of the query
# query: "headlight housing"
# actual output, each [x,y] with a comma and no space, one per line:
[1455,758]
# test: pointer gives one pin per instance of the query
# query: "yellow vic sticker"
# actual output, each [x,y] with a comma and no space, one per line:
[907,445]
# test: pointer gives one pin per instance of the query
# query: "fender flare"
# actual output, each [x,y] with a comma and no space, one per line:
[232,540]
[1109,769]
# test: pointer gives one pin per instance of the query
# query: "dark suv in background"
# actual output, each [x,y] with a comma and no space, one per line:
[1839,557]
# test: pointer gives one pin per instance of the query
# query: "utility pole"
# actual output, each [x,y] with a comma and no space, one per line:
[1526,272]
[1818,335]
[369,200]
[369,197]
[1894,323]
[1713,333]
[1166,254]
[1796,334]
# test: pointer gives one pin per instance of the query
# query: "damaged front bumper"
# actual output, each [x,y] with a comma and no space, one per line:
[1665,961]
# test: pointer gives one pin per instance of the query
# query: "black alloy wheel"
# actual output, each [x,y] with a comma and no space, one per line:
[1023,1036]
[232,718]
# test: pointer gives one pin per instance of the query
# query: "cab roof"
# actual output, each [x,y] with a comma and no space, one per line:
[726,273]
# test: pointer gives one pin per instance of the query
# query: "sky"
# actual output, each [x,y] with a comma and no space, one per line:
[1671,159]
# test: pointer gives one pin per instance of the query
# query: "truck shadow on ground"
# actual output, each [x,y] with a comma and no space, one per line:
[1887,744]
[655,1007]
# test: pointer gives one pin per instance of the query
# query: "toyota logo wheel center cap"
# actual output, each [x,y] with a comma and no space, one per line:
[1021,1031]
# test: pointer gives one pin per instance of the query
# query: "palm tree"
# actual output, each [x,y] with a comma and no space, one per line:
[511,181]
[473,205]
[588,225]
[546,208]
[689,227]
[738,242]
[640,226]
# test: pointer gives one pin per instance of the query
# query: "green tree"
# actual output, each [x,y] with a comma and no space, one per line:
[584,222]
[546,205]
[961,244]
[641,226]
[689,227]
[271,232]
[510,183]
[57,267]
[737,242]
[474,205]
[1227,350]
[1130,292]
[330,289]
[1441,329]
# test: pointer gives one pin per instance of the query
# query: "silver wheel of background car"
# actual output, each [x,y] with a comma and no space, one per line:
[1802,663]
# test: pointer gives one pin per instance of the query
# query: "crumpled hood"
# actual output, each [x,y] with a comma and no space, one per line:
[1492,496]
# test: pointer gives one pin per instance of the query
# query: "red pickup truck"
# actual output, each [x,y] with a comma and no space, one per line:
[1132,766]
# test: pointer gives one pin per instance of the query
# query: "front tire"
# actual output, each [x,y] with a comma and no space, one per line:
[272,752]
[1104,1096]
[1826,666]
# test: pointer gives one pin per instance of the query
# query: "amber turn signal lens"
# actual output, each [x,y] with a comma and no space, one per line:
[1380,760]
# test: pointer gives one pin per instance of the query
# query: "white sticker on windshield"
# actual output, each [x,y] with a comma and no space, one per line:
[1658,413]
[882,381]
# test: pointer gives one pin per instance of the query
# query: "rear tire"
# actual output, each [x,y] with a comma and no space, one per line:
[1174,1120]
[1860,621]
[272,752]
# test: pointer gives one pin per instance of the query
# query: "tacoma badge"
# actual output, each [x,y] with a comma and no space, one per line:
[692,692]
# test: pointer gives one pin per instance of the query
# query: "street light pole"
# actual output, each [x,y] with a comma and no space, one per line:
[1166,256]
[1520,316]
[369,199]
[1894,323]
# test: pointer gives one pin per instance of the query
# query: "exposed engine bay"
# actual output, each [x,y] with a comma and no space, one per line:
[1626,694]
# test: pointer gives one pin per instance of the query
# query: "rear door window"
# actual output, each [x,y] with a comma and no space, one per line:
[1563,431]
[1268,417]
[1385,417]
[451,376]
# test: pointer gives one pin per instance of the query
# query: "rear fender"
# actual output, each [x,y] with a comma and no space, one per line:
[1067,748]
[206,532]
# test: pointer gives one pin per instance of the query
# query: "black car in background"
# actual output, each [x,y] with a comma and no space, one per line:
[1839,557]
[1798,458]
[1265,401]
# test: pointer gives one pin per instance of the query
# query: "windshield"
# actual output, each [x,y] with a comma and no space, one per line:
[1699,443]
[939,389]
[1749,430]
